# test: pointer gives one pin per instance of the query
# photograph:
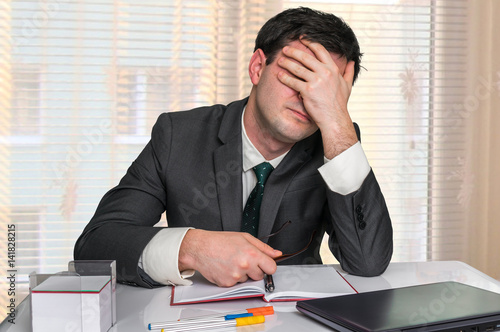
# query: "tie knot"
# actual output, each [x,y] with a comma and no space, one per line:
[262,171]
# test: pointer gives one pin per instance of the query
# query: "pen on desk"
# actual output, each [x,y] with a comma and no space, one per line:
[182,323]
[268,310]
[210,325]
[256,311]
[269,283]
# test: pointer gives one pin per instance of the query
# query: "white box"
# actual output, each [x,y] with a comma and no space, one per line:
[72,303]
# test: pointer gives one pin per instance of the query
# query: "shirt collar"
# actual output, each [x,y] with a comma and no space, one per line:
[251,156]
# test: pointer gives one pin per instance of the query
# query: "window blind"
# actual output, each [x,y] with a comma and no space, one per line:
[83,81]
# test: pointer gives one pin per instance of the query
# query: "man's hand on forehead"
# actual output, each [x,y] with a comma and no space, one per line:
[306,53]
[316,74]
[324,82]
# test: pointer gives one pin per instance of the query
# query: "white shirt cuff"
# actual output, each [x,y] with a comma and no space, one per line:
[346,172]
[160,258]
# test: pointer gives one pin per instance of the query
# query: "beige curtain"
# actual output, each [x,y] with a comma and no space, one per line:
[483,141]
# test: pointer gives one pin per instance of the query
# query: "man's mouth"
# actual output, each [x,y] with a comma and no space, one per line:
[302,115]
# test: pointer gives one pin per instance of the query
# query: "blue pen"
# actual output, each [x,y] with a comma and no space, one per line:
[195,321]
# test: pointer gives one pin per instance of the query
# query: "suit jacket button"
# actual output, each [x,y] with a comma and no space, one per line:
[362,225]
[359,209]
[361,217]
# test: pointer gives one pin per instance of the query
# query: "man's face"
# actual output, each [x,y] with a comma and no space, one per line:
[280,112]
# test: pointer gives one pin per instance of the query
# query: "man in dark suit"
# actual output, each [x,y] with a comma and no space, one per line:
[198,167]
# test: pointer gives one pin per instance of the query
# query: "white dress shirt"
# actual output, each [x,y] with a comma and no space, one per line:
[343,174]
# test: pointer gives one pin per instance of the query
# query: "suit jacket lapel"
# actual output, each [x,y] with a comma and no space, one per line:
[278,182]
[228,167]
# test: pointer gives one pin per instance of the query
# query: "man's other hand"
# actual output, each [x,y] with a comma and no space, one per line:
[226,258]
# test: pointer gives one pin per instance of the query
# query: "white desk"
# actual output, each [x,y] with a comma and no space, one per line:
[137,307]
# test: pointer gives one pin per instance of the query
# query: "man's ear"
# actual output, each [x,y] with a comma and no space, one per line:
[256,65]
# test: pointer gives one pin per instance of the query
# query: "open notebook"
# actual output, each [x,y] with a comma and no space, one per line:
[292,283]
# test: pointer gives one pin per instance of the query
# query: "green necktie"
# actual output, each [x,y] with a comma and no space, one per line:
[250,220]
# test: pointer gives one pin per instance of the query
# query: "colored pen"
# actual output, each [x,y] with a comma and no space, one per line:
[182,323]
[228,323]
[256,311]
[269,310]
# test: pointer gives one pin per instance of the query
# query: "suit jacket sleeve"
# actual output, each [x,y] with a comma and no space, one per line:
[122,224]
[360,230]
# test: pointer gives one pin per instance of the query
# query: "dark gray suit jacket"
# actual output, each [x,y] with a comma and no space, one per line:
[192,169]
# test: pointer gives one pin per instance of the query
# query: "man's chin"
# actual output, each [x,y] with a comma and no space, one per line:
[294,137]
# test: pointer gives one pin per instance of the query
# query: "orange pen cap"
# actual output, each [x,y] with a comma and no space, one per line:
[261,310]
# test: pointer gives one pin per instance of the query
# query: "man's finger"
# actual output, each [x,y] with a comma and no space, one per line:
[291,82]
[264,247]
[300,56]
[294,68]
[320,52]
[256,274]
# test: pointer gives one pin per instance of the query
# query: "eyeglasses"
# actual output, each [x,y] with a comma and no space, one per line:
[287,256]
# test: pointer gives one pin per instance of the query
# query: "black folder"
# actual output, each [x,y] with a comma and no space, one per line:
[444,306]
